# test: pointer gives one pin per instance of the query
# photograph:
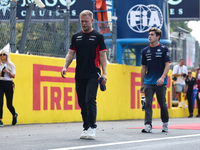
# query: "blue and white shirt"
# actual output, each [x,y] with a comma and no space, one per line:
[154,58]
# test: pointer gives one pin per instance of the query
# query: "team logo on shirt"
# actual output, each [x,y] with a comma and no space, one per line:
[79,38]
[167,53]
[148,51]
[92,36]
[148,57]
[158,50]
[158,54]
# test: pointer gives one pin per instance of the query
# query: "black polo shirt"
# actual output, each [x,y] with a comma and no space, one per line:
[190,84]
[87,47]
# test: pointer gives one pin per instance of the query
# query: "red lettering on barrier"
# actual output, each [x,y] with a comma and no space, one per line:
[158,106]
[138,99]
[76,102]
[168,104]
[37,79]
[168,81]
[153,105]
[133,85]
[45,97]
[67,98]
[55,99]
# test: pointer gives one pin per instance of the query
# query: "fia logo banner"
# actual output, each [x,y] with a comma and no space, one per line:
[141,18]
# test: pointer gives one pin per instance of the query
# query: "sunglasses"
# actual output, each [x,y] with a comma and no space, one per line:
[2,54]
[189,72]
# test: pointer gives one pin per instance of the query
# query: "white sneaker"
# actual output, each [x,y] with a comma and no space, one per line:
[165,127]
[91,133]
[147,129]
[84,134]
[180,105]
[184,104]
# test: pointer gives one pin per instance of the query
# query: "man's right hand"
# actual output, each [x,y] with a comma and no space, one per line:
[63,72]
[142,89]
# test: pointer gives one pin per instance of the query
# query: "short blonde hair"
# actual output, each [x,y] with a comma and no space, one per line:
[85,13]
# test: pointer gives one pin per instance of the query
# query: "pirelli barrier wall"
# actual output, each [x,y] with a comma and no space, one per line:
[42,96]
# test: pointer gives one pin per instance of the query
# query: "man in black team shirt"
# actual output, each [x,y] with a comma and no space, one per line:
[90,49]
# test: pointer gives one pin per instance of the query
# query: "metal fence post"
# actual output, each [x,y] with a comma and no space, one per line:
[114,42]
[26,27]
[13,43]
[66,28]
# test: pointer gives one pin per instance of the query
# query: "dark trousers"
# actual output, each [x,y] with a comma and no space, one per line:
[6,87]
[198,102]
[189,97]
[160,93]
[86,91]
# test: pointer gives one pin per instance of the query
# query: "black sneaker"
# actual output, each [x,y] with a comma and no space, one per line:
[15,119]
[1,123]
[190,116]
[198,115]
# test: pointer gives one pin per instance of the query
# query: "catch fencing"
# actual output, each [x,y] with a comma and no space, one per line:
[42,36]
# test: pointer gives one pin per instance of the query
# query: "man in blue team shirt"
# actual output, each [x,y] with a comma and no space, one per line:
[155,66]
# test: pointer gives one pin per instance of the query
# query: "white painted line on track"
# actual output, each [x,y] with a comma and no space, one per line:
[125,142]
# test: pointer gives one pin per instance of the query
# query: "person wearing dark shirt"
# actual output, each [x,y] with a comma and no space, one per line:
[155,66]
[90,50]
[190,82]
[198,86]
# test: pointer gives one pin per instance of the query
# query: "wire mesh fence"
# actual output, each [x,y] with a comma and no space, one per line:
[4,26]
[46,35]
[46,38]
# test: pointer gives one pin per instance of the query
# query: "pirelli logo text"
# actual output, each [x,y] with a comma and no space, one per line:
[136,95]
[47,94]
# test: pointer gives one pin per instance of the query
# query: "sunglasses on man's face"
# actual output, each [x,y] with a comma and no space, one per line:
[189,72]
[2,54]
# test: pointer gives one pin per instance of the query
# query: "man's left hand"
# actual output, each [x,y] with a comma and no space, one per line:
[160,81]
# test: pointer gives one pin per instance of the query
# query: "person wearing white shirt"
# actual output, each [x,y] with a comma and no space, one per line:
[180,72]
[7,72]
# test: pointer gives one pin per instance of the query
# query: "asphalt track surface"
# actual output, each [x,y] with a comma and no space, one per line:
[110,135]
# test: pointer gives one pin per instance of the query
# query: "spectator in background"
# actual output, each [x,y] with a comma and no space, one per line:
[180,72]
[7,72]
[185,95]
[198,86]
[190,82]
[197,71]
